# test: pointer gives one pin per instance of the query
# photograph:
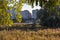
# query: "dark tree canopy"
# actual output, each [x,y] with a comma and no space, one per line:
[5,16]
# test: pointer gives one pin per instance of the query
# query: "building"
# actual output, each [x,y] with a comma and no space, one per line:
[13,13]
[26,15]
[34,14]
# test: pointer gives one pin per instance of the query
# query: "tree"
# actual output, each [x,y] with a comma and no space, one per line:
[5,15]
[44,3]
[47,15]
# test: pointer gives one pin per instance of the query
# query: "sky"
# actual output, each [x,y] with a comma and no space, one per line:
[29,8]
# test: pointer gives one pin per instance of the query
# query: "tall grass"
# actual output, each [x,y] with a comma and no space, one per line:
[30,34]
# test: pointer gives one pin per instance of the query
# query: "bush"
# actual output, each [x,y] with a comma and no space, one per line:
[48,20]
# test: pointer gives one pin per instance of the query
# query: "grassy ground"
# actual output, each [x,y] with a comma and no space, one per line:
[26,32]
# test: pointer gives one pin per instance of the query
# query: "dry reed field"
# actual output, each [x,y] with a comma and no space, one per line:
[25,33]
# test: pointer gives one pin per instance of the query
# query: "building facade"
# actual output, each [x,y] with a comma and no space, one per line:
[26,15]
